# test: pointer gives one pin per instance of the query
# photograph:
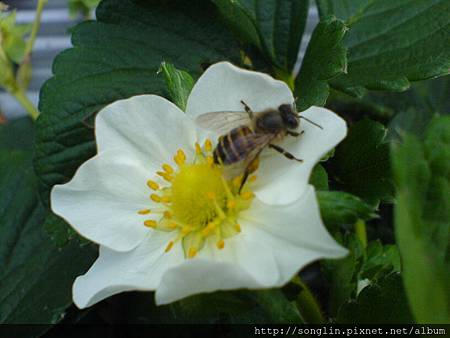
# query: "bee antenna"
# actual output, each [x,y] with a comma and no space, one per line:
[314,123]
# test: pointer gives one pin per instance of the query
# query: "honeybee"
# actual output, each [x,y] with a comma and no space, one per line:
[245,134]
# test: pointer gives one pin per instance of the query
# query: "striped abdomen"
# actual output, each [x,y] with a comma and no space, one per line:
[234,146]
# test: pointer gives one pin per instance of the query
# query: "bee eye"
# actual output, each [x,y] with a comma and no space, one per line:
[288,116]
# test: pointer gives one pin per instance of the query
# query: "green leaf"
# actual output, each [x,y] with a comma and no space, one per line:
[422,220]
[17,134]
[342,274]
[361,163]
[113,58]
[364,265]
[319,178]
[338,207]
[35,279]
[325,58]
[274,27]
[379,260]
[222,307]
[391,43]
[178,82]
[382,303]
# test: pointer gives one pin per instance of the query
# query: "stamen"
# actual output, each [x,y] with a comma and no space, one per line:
[165,176]
[237,181]
[155,198]
[167,168]
[246,195]
[192,252]
[209,229]
[169,246]
[220,244]
[166,199]
[209,160]
[172,225]
[231,204]
[185,230]
[198,149]
[208,145]
[152,185]
[180,157]
[150,223]
[199,202]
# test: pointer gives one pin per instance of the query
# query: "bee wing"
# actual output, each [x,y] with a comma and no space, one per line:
[250,146]
[223,121]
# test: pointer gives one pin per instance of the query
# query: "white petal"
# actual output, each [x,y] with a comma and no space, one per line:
[280,180]
[274,244]
[115,272]
[223,86]
[102,200]
[294,233]
[147,126]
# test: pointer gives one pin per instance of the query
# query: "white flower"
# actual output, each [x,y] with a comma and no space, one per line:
[165,218]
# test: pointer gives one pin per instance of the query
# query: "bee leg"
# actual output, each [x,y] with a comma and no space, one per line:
[247,109]
[285,152]
[294,133]
[244,179]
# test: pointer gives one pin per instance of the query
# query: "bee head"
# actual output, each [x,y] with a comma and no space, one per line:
[289,116]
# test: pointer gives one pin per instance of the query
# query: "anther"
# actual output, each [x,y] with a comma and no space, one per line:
[231,204]
[185,230]
[166,199]
[180,157]
[152,185]
[172,225]
[192,252]
[208,145]
[198,149]
[167,168]
[150,223]
[237,227]
[209,228]
[144,212]
[155,198]
[220,244]
[167,214]
[165,176]
[246,195]
[209,160]
[169,246]
[237,181]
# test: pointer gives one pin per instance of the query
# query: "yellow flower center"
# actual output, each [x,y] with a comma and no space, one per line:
[197,202]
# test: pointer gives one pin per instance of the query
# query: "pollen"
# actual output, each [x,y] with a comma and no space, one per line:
[196,202]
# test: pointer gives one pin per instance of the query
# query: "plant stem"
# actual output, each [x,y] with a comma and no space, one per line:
[307,304]
[35,28]
[361,233]
[20,96]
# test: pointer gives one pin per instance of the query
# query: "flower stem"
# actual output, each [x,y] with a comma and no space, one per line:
[35,28]
[25,102]
[307,304]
